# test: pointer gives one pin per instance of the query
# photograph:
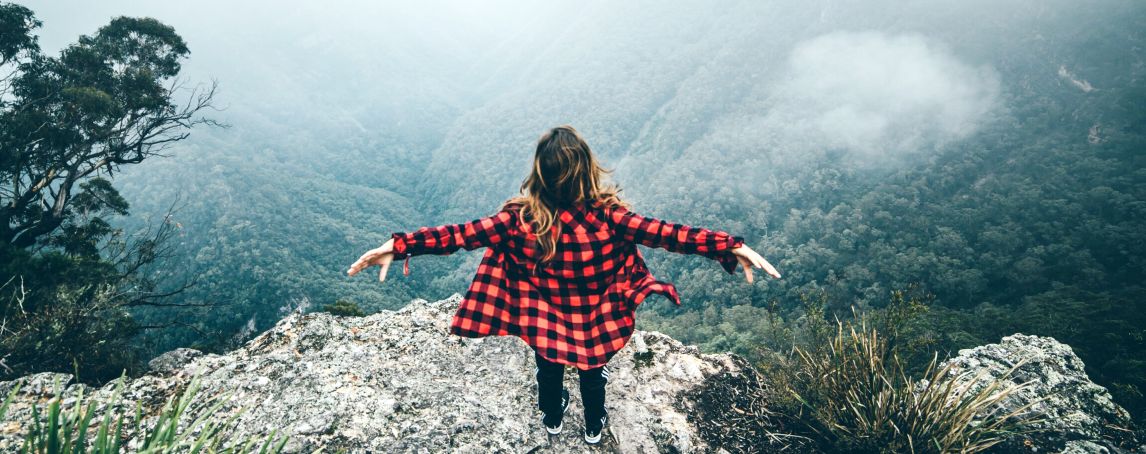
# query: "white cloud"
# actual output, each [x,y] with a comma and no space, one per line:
[872,93]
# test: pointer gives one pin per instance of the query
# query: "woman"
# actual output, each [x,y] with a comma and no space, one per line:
[562,271]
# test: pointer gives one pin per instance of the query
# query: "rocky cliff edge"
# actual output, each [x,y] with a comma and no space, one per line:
[397,382]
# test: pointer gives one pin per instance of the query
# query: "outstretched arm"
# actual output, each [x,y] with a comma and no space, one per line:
[440,240]
[720,246]
[446,239]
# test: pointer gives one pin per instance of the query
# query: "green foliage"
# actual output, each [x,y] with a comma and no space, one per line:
[344,307]
[855,395]
[814,324]
[61,314]
[175,429]
[68,276]
[67,431]
[16,38]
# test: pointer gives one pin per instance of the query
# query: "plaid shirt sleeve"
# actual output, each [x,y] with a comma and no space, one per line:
[677,238]
[446,239]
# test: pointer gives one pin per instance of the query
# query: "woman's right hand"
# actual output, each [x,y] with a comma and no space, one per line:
[749,258]
[381,256]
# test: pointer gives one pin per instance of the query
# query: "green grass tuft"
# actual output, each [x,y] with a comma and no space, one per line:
[854,395]
[60,431]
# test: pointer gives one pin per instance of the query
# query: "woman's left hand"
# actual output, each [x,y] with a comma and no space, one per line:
[749,258]
[381,256]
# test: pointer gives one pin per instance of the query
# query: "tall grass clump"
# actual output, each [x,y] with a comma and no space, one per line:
[854,395]
[57,430]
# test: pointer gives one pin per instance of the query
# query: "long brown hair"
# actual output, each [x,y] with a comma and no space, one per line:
[564,173]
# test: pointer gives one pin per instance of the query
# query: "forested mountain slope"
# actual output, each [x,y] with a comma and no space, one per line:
[990,154]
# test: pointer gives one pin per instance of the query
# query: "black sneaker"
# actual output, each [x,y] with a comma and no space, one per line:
[553,424]
[593,430]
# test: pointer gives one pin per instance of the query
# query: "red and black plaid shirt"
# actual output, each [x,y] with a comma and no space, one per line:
[577,309]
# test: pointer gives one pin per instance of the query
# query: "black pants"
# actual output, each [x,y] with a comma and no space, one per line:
[549,385]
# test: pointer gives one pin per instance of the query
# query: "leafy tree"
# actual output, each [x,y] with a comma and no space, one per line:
[67,125]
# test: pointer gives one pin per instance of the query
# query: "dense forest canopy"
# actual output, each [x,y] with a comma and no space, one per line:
[987,156]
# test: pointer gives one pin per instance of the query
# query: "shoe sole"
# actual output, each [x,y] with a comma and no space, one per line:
[597,438]
[559,426]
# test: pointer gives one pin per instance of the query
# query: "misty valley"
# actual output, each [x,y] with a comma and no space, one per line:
[940,174]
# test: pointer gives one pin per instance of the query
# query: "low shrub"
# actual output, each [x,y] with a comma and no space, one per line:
[853,395]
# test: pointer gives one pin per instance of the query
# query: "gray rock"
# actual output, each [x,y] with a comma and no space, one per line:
[1084,447]
[41,384]
[1074,414]
[396,381]
[172,361]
